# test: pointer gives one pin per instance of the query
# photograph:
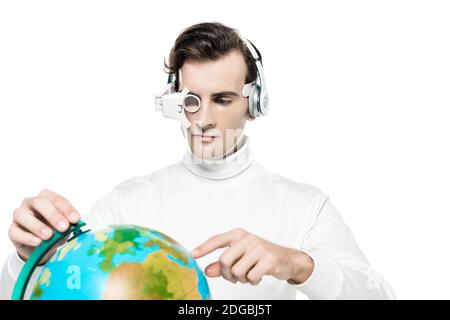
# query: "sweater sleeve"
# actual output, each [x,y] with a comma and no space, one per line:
[108,210]
[341,271]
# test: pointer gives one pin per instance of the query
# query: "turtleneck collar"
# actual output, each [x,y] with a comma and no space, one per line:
[219,169]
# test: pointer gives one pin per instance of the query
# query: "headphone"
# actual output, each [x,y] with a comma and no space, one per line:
[258,99]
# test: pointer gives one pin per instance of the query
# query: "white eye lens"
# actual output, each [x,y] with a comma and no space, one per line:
[191,103]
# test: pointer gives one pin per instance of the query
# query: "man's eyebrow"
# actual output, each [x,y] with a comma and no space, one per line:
[222,93]
[225,93]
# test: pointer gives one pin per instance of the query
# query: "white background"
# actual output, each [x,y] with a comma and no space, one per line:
[360,94]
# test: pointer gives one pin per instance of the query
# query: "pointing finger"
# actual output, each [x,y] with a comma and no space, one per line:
[218,241]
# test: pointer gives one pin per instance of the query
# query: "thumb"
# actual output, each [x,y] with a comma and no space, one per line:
[213,270]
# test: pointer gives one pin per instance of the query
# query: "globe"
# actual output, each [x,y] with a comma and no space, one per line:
[121,262]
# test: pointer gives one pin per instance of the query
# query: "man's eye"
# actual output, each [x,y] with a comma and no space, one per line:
[223,101]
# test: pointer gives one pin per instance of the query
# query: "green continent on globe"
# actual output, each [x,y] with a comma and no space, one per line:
[44,279]
[122,241]
[158,277]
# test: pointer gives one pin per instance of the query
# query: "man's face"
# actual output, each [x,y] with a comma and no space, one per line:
[219,123]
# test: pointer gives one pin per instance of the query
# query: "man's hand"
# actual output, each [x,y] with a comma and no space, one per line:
[35,220]
[250,257]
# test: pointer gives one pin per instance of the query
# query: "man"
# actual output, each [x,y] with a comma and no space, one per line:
[258,235]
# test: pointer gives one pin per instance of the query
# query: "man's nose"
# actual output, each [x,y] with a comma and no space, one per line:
[205,118]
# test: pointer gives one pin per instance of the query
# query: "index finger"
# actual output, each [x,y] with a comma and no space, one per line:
[62,204]
[218,241]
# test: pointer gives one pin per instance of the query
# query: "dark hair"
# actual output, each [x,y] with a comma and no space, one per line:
[209,41]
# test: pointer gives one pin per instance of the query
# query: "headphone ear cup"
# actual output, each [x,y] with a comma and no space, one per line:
[254,98]
[263,103]
[250,101]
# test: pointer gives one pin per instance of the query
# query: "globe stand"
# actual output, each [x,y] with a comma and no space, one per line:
[38,254]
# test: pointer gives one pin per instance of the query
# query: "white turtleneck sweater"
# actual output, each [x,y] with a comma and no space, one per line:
[193,200]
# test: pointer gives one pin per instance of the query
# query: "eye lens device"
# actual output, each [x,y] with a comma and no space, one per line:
[191,103]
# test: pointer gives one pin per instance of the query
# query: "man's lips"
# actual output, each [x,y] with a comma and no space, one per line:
[204,135]
[204,138]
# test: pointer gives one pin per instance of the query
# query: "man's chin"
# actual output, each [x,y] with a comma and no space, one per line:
[210,150]
[207,152]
